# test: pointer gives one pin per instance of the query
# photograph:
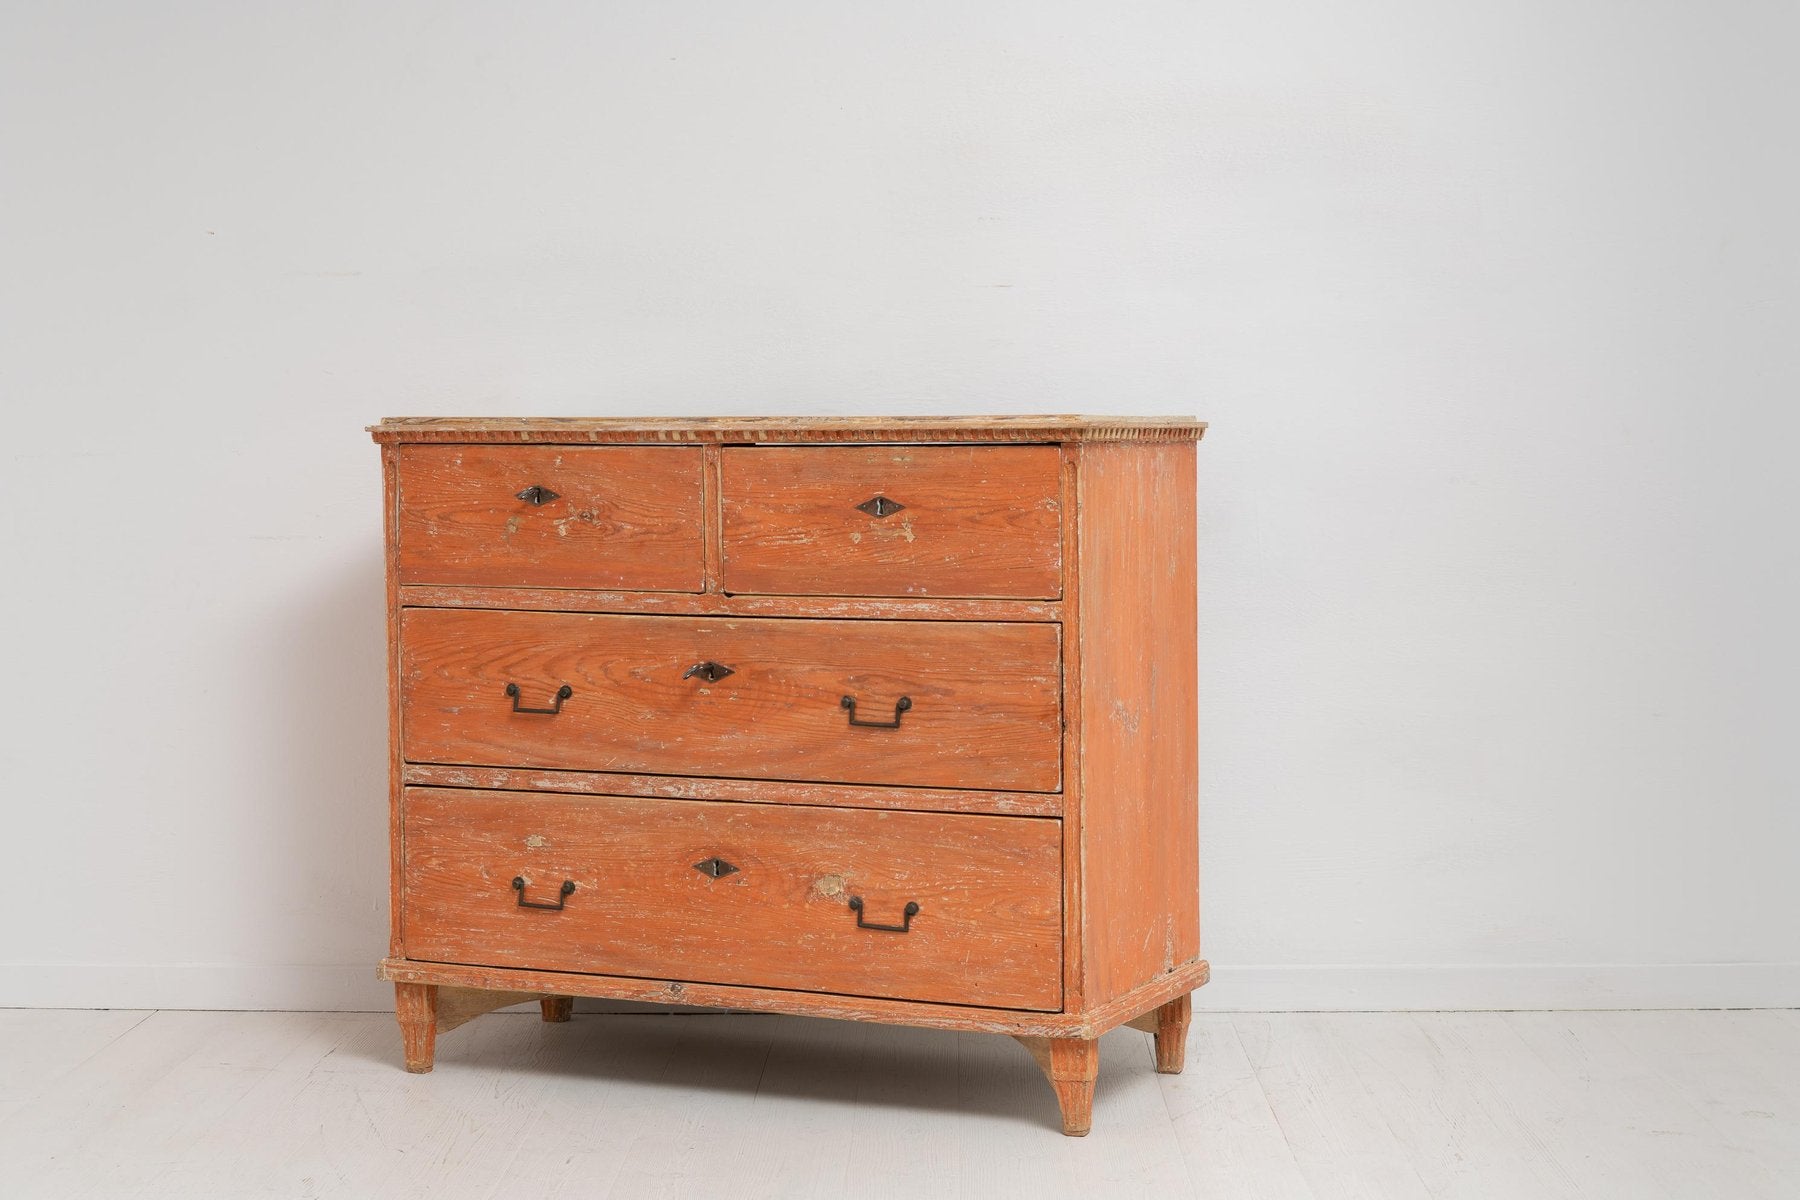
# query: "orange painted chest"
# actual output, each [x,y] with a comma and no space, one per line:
[882,720]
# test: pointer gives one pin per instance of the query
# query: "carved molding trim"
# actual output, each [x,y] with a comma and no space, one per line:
[786,430]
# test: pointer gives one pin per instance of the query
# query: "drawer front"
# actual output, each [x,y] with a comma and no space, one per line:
[551,516]
[921,703]
[769,905]
[892,520]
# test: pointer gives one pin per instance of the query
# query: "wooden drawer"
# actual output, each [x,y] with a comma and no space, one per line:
[947,520]
[987,929]
[609,517]
[982,701]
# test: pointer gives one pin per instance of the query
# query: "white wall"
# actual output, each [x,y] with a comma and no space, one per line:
[1493,308]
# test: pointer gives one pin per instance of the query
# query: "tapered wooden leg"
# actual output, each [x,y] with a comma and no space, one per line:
[1169,1025]
[415,1004]
[557,1008]
[1171,1034]
[1070,1064]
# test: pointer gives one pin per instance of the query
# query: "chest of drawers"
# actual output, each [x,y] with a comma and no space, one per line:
[881,720]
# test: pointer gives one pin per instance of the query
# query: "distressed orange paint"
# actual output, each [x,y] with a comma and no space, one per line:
[1019,834]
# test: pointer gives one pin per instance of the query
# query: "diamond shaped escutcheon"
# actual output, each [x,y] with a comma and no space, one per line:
[881,506]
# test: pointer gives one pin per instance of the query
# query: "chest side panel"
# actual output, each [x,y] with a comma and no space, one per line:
[1138,716]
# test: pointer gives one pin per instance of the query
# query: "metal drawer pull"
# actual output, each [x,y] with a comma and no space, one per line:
[848,703]
[907,914]
[708,672]
[715,866]
[562,896]
[562,693]
[880,506]
[536,495]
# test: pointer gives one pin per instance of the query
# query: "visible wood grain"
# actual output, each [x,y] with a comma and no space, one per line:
[746,791]
[1071,1065]
[984,706]
[786,430]
[1137,719]
[806,1004]
[987,929]
[390,492]
[1038,583]
[1168,1025]
[978,521]
[1155,991]
[709,503]
[1171,1035]
[1074,829]
[415,1007]
[557,1009]
[623,517]
[711,604]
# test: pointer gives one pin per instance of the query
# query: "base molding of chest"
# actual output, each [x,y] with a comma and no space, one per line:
[1121,1010]
[431,998]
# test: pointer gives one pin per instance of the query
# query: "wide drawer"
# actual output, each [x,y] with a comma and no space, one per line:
[938,907]
[922,703]
[551,516]
[892,520]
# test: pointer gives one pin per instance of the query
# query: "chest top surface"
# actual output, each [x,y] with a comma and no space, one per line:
[790,430]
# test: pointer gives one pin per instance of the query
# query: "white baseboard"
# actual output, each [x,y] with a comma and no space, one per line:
[300,987]
[1524,985]
[354,988]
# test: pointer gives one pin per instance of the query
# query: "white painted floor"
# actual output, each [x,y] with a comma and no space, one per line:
[1393,1105]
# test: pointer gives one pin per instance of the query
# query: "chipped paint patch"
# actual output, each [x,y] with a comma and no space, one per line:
[537,841]
[586,516]
[1123,717]
[828,887]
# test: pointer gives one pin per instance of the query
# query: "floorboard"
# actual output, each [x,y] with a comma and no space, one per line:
[1444,1106]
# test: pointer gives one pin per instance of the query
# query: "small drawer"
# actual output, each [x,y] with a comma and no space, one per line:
[940,907]
[925,703]
[961,521]
[551,516]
